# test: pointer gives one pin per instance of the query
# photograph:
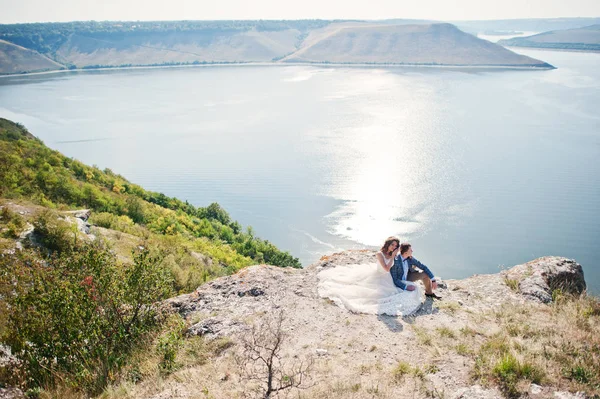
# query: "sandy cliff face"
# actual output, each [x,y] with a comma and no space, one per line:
[17,59]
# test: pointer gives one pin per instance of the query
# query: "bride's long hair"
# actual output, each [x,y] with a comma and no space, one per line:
[386,245]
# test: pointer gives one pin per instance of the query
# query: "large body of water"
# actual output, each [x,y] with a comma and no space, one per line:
[479,169]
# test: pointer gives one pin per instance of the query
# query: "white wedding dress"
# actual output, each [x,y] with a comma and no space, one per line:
[367,288]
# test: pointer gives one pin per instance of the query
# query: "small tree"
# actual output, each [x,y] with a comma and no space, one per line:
[261,358]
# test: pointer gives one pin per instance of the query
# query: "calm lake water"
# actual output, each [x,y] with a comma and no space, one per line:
[479,169]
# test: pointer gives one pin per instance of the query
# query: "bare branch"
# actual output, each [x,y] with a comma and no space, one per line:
[261,358]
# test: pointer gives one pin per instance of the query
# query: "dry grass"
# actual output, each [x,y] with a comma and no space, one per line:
[556,345]
[449,306]
[445,332]
[513,284]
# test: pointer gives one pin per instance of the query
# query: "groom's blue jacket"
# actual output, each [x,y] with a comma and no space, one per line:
[397,270]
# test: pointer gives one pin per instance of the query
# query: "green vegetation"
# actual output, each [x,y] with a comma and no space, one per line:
[555,345]
[79,314]
[74,317]
[29,170]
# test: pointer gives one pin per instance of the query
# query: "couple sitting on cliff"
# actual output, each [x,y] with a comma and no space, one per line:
[385,287]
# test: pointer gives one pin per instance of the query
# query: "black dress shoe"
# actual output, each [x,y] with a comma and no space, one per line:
[432,295]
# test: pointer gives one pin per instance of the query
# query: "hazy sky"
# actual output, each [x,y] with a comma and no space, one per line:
[13,11]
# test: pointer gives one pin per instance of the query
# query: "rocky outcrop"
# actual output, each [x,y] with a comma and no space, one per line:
[359,351]
[538,279]
[11,393]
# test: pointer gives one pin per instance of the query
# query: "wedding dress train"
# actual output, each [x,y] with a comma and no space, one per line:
[367,288]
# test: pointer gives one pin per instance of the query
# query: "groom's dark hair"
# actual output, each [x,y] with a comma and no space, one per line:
[404,247]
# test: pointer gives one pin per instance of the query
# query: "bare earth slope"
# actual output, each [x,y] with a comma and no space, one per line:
[178,47]
[17,59]
[586,39]
[431,44]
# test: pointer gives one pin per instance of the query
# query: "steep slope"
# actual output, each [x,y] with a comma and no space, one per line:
[432,44]
[177,47]
[586,39]
[17,59]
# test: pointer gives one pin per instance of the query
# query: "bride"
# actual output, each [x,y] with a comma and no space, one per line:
[368,288]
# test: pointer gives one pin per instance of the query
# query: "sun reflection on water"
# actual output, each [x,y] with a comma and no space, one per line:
[382,160]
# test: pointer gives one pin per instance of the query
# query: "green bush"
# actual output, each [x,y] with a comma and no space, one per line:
[76,317]
[169,344]
[54,233]
[13,221]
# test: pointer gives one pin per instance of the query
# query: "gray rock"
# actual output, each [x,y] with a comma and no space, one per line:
[27,232]
[83,226]
[476,392]
[569,395]
[540,277]
[535,389]
[216,327]
[11,393]
[251,292]
[82,214]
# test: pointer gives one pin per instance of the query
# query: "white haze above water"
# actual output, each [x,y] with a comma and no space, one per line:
[479,169]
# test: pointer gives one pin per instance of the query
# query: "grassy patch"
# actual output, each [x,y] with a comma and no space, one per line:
[401,370]
[463,349]
[445,332]
[558,345]
[509,371]
[512,283]
[422,336]
[450,306]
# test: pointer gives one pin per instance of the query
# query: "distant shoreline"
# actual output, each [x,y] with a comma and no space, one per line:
[569,50]
[276,64]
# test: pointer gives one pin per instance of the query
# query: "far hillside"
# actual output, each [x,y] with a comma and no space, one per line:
[17,59]
[509,26]
[107,44]
[422,44]
[116,43]
[583,39]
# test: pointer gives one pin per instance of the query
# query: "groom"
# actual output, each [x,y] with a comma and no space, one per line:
[403,271]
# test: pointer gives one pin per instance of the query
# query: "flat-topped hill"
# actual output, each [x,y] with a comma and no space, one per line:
[583,39]
[425,44]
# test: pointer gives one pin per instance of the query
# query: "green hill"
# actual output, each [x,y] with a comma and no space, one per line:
[33,172]
[79,300]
